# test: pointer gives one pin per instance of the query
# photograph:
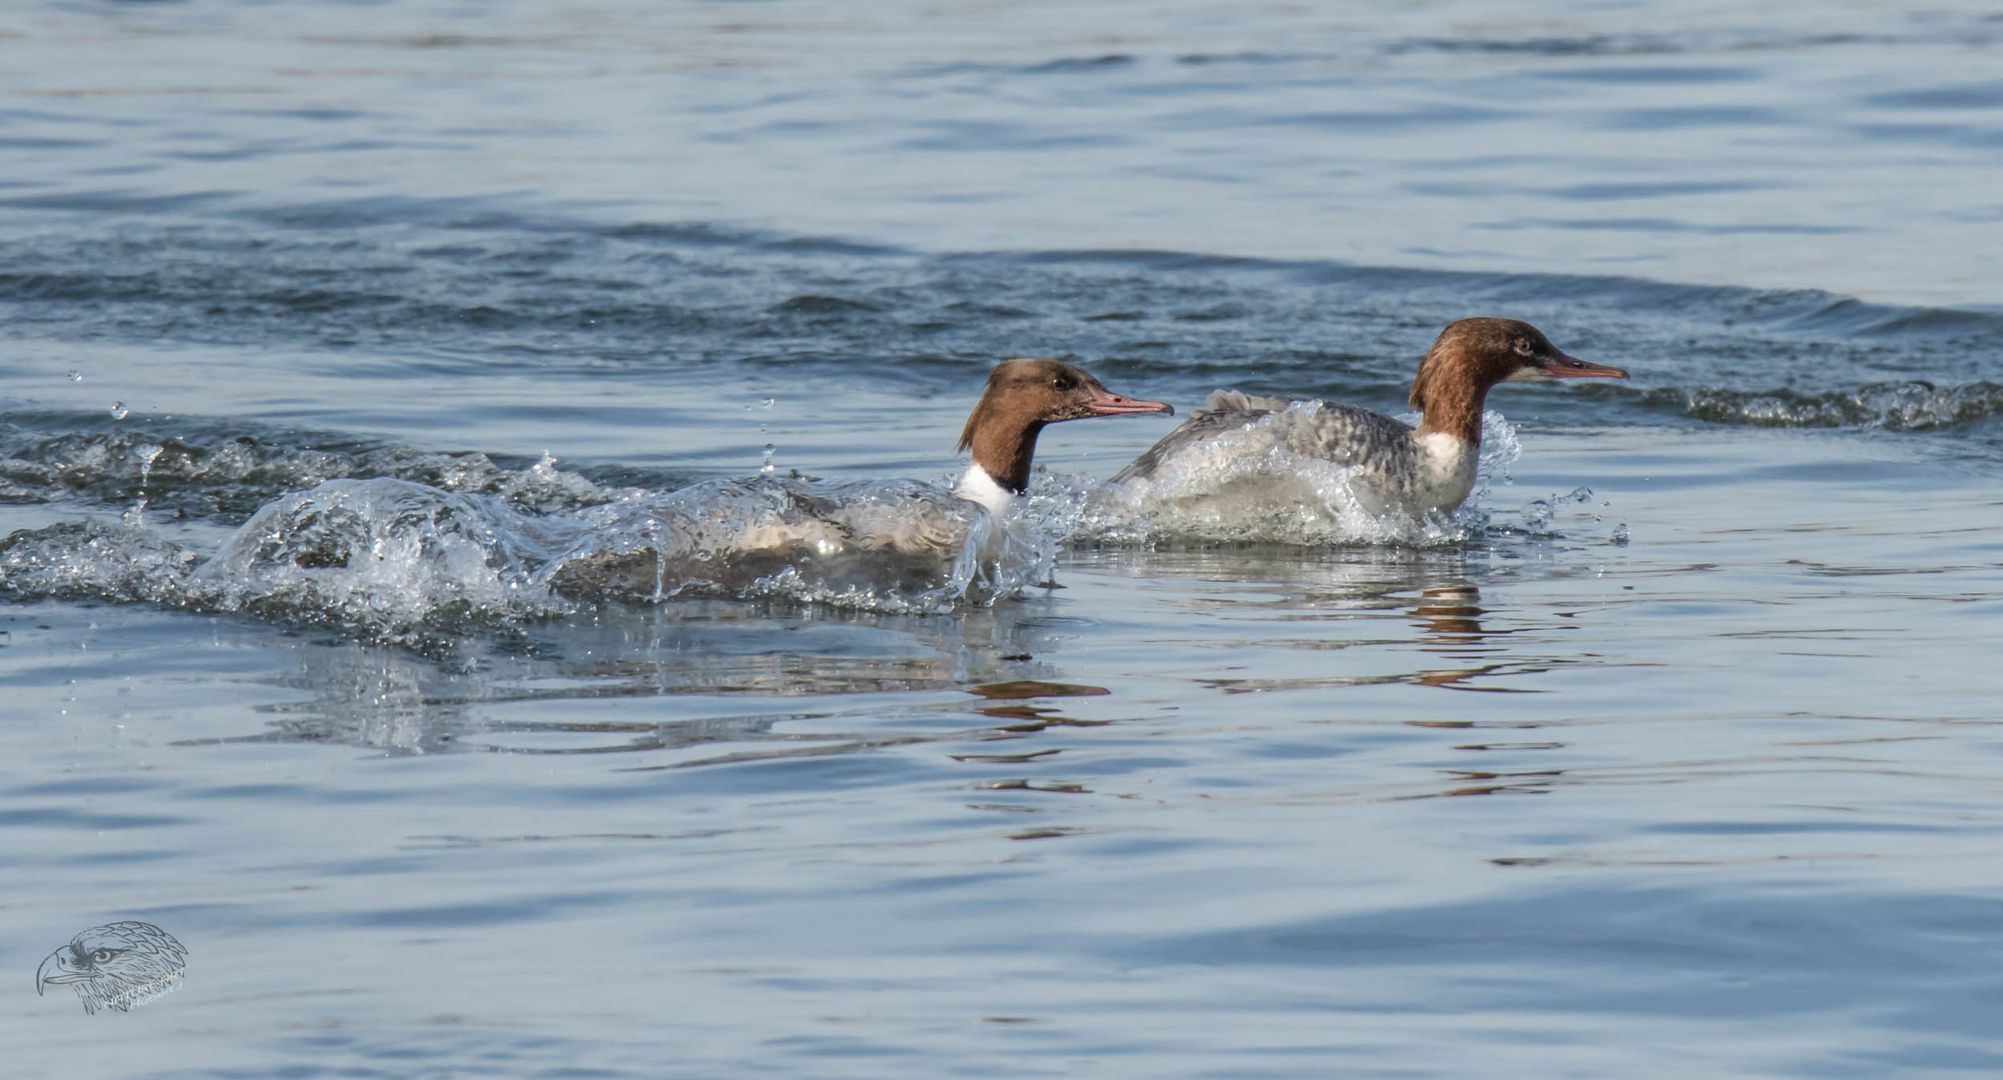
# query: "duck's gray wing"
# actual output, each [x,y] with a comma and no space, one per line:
[1227,410]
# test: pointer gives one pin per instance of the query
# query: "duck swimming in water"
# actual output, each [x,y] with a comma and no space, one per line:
[1416,471]
[1023,396]
[873,536]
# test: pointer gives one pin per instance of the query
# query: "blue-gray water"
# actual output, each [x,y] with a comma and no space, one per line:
[1709,676]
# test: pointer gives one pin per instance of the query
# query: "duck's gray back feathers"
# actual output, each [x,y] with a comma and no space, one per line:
[1343,434]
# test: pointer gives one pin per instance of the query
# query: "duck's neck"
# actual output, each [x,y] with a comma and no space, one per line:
[1003,448]
[1449,406]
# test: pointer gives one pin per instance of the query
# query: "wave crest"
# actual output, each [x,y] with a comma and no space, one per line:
[1913,405]
[229,474]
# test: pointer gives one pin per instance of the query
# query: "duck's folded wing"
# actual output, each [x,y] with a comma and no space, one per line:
[1348,435]
[1227,410]
[1344,434]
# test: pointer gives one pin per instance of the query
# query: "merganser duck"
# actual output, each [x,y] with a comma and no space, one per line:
[1417,471]
[897,536]
[1023,396]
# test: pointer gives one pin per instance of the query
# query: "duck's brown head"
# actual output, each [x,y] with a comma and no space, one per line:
[1472,355]
[1024,395]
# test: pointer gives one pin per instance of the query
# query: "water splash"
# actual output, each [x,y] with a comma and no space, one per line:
[385,557]
[94,561]
[765,467]
[404,562]
[1537,515]
[136,516]
[880,545]
[1557,516]
[119,411]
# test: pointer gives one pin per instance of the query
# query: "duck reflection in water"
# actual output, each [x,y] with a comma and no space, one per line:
[1451,618]
[1451,613]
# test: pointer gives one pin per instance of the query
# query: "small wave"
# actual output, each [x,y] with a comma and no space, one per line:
[1792,313]
[1693,42]
[1249,492]
[816,304]
[1895,406]
[1249,58]
[229,474]
[1066,65]
[539,287]
[1074,64]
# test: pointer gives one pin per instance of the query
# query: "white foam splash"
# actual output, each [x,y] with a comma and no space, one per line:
[883,545]
[402,561]
[383,554]
[94,561]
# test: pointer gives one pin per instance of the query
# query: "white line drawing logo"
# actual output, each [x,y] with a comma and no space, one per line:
[119,966]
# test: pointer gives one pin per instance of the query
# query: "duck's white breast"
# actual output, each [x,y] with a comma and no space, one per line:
[978,486]
[1446,472]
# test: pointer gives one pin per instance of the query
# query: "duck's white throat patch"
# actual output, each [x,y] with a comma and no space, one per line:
[978,486]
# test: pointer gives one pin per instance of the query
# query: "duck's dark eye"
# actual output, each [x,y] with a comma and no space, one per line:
[1065,383]
[1523,346]
[102,956]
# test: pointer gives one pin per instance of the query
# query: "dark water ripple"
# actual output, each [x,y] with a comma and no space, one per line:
[606,301]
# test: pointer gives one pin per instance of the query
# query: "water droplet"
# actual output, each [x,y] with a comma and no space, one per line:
[135,517]
[75,375]
[766,469]
[118,410]
[1537,515]
[769,401]
[1620,534]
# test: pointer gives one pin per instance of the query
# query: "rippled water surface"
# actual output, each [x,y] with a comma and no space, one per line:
[380,384]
